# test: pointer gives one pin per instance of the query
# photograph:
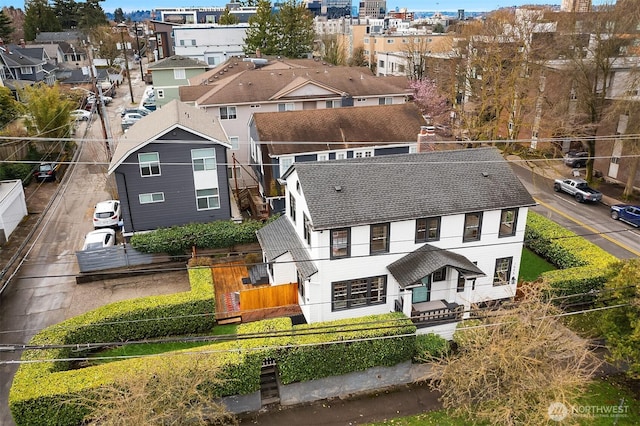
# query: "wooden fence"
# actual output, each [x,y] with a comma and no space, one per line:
[269,297]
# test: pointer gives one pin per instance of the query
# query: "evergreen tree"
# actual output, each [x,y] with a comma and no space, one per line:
[295,30]
[118,15]
[67,13]
[39,17]
[5,27]
[260,34]
[92,15]
[227,18]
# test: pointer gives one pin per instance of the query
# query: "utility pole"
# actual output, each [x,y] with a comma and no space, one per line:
[97,91]
[123,27]
[139,53]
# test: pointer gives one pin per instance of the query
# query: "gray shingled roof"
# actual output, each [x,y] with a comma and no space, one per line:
[177,61]
[391,188]
[278,238]
[411,268]
[369,125]
[259,85]
[173,114]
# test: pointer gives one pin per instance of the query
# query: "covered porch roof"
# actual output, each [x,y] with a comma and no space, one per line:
[278,238]
[425,261]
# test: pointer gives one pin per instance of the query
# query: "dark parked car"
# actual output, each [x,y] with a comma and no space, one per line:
[46,172]
[576,159]
[626,213]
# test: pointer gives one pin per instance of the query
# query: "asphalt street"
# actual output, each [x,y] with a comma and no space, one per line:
[44,291]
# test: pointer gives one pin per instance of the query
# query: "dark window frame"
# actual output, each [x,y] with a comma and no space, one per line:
[498,279]
[506,229]
[423,229]
[470,236]
[333,250]
[376,240]
[352,297]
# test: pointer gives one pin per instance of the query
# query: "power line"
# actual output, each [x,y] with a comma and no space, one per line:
[289,346]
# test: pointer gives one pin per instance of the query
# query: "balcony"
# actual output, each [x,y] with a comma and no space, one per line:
[435,312]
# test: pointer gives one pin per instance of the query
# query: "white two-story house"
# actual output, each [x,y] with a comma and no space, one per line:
[429,234]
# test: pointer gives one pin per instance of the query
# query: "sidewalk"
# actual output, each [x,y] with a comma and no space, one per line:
[376,407]
[611,190]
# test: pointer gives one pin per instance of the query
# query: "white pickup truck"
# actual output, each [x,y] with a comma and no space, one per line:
[579,188]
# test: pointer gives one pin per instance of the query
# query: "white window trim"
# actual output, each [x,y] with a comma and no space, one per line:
[179,74]
[203,154]
[216,196]
[160,93]
[151,197]
[149,164]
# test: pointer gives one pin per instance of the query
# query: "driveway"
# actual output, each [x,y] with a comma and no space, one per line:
[44,291]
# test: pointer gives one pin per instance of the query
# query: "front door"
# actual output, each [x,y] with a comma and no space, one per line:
[422,293]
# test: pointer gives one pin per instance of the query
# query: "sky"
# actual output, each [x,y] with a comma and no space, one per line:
[412,5]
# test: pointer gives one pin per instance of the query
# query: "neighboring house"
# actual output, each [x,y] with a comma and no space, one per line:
[162,38]
[427,234]
[280,139]
[53,52]
[168,170]
[210,43]
[170,73]
[288,86]
[13,207]
[18,70]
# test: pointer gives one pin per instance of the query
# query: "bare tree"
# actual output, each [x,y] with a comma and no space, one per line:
[173,390]
[591,50]
[513,364]
[502,75]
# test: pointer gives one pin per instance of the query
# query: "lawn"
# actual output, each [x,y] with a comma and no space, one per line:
[160,347]
[532,265]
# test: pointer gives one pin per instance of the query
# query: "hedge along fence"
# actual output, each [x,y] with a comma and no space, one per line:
[583,264]
[43,392]
[369,342]
[39,387]
[213,235]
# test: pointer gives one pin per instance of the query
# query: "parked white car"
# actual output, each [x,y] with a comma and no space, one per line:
[80,115]
[107,214]
[98,239]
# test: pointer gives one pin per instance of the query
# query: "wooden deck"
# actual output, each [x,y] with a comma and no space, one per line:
[227,278]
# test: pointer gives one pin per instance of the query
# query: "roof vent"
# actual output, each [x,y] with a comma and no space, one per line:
[338,188]
[485,174]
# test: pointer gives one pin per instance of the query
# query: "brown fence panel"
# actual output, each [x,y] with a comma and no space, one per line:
[269,297]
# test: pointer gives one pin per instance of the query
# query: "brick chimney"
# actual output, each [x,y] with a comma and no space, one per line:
[258,53]
[424,141]
[22,43]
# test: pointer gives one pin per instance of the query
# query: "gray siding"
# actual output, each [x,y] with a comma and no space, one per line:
[175,181]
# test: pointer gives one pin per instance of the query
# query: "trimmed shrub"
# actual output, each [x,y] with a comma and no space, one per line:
[584,265]
[430,346]
[178,240]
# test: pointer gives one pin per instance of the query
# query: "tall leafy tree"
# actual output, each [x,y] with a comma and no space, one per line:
[5,27]
[295,30]
[39,17]
[9,107]
[261,31]
[227,18]
[47,110]
[67,13]
[92,15]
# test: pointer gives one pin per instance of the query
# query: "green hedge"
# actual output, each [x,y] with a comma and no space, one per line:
[40,388]
[43,392]
[370,343]
[213,235]
[583,265]
[430,346]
